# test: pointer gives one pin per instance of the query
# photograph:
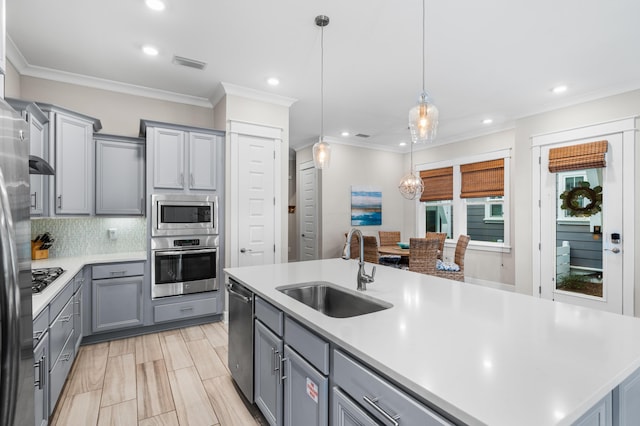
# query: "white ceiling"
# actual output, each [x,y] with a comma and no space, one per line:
[491,58]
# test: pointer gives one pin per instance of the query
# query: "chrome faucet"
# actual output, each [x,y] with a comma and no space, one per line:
[362,278]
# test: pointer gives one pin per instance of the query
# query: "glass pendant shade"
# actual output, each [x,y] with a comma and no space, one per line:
[411,186]
[423,120]
[321,154]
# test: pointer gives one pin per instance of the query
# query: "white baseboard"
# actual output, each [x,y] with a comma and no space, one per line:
[491,284]
[225,317]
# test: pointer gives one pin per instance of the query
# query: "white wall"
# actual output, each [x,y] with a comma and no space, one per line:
[357,166]
[119,113]
[606,109]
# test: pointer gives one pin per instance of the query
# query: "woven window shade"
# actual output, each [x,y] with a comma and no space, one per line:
[438,184]
[578,157]
[484,179]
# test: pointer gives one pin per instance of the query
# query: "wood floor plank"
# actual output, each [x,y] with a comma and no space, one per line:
[119,380]
[80,409]
[122,414]
[148,348]
[192,403]
[166,419]
[223,354]
[176,354]
[206,359]
[215,333]
[192,333]
[88,371]
[154,392]
[122,346]
[227,403]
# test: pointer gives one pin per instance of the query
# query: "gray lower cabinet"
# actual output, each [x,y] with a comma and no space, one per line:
[380,399]
[119,175]
[78,286]
[346,412]
[306,392]
[117,296]
[41,380]
[626,410]
[268,386]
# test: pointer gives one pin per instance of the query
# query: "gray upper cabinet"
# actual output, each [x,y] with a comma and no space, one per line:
[74,180]
[119,175]
[38,146]
[183,158]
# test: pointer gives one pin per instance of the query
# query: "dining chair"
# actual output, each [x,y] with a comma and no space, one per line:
[389,238]
[440,236]
[371,254]
[454,271]
[423,255]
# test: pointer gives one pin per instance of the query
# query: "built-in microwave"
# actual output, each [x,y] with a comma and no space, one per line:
[184,214]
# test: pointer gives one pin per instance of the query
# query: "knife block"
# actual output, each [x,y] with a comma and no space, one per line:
[37,253]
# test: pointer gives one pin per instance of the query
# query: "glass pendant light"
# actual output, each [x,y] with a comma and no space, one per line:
[321,149]
[411,185]
[423,118]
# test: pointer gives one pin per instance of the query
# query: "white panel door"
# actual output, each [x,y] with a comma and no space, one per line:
[308,244]
[202,161]
[256,199]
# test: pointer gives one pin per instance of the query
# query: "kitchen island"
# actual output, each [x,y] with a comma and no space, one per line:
[478,355]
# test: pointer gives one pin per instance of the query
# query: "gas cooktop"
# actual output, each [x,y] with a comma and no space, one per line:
[40,278]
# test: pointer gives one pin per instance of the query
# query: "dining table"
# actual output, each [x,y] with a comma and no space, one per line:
[394,250]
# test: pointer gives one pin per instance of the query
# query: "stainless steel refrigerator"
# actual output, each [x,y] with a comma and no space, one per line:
[16,331]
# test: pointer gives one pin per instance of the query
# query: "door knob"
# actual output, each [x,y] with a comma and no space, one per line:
[244,250]
[614,250]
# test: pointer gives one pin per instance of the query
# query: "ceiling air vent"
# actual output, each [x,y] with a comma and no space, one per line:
[191,63]
[362,135]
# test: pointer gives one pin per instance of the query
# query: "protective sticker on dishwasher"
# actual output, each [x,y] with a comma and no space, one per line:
[312,390]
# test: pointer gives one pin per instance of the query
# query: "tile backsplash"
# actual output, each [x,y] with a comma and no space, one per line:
[80,236]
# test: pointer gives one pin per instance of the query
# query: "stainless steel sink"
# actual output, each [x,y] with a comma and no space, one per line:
[333,300]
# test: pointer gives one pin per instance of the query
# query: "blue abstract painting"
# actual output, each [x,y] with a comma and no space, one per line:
[366,206]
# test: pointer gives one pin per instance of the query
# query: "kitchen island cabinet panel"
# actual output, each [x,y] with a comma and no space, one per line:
[269,389]
[119,175]
[345,412]
[306,392]
[41,377]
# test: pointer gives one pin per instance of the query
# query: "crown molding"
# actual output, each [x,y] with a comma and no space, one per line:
[25,69]
[245,92]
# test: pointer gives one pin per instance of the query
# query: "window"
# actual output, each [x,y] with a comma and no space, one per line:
[565,182]
[478,204]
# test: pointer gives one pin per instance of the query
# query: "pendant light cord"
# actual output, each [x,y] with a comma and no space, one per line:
[424,19]
[322,83]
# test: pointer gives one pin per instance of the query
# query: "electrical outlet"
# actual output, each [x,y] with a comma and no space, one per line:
[112,232]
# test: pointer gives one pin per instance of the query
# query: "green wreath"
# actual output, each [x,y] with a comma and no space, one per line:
[571,200]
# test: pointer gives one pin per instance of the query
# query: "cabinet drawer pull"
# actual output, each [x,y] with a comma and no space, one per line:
[186,308]
[118,273]
[389,417]
[66,357]
[37,335]
[65,318]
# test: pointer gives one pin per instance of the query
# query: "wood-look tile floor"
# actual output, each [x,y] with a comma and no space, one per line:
[171,378]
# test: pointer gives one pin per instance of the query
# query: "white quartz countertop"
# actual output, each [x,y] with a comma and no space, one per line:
[483,355]
[71,266]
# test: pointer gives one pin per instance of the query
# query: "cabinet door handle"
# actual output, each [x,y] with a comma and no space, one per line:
[41,373]
[59,201]
[192,180]
[389,417]
[182,179]
[274,358]
[281,362]
[35,200]
[66,318]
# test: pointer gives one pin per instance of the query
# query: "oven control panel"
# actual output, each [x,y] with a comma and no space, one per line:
[186,243]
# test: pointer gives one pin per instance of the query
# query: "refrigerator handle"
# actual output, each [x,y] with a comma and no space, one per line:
[10,311]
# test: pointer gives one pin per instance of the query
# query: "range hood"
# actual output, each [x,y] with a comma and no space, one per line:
[38,166]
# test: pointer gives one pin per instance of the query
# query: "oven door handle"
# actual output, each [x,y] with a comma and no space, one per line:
[160,253]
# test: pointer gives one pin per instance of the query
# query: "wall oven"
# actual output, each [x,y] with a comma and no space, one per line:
[183,265]
[184,214]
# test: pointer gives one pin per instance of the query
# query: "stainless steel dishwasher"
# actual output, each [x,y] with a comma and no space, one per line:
[241,313]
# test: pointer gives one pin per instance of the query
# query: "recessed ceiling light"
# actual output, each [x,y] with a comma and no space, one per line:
[487,121]
[345,133]
[150,50]
[559,89]
[402,144]
[273,81]
[155,4]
